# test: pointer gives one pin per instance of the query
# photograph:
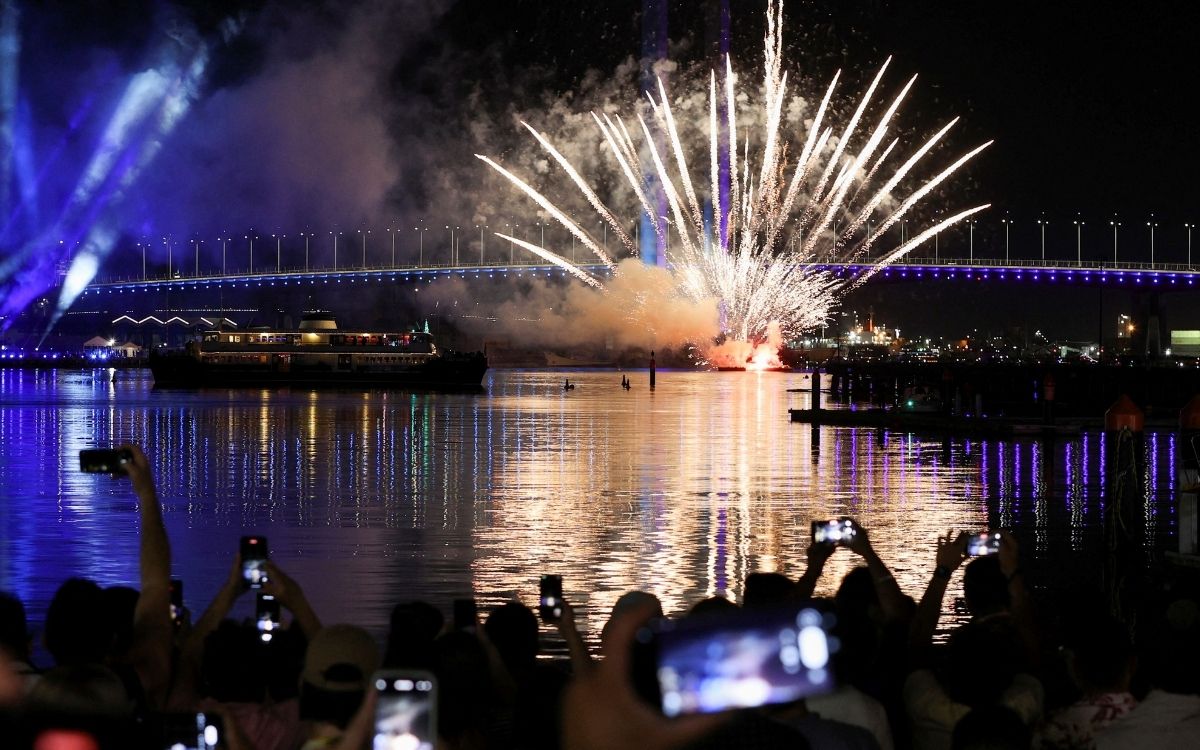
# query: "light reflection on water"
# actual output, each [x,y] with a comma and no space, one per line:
[370,498]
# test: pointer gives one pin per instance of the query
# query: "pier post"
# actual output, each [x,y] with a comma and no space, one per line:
[1124,512]
[816,388]
[651,370]
[1189,477]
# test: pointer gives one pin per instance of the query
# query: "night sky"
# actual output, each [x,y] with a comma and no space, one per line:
[346,115]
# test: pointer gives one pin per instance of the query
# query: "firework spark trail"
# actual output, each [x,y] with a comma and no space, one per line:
[738,258]
[899,252]
[556,259]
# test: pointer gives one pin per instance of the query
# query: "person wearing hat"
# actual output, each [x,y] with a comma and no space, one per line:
[337,672]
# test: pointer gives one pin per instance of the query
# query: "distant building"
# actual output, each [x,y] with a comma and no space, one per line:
[1185,343]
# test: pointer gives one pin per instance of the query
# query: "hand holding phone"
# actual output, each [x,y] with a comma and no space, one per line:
[838,531]
[266,616]
[405,710]
[550,601]
[984,543]
[745,659]
[104,461]
[254,561]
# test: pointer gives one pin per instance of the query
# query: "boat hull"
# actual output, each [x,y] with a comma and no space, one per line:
[443,373]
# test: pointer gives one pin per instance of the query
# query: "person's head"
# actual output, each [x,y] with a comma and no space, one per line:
[232,667]
[513,629]
[982,659]
[119,605]
[713,605]
[76,630]
[337,672]
[414,625]
[857,592]
[465,685]
[628,602]
[1101,656]
[984,586]
[14,628]
[80,690]
[767,590]
[991,728]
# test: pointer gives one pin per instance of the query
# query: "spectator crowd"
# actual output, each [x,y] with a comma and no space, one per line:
[128,669]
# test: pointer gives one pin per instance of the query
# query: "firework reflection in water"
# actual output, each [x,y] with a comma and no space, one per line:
[765,288]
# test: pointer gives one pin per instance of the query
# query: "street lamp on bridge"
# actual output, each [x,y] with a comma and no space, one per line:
[1078,240]
[364,246]
[481,228]
[196,246]
[420,246]
[971,241]
[224,241]
[1114,224]
[1007,222]
[251,238]
[142,245]
[335,240]
[306,235]
[1042,223]
[1152,224]
[278,251]
[1187,226]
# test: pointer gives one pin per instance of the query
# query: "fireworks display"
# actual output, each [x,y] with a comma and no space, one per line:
[760,253]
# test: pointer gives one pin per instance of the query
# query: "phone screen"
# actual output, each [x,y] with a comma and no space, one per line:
[188,731]
[741,660]
[176,600]
[267,616]
[405,711]
[254,561]
[550,602]
[839,531]
[986,543]
[104,461]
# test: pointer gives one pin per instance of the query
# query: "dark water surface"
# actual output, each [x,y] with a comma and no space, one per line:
[370,498]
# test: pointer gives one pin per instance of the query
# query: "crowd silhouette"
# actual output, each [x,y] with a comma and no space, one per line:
[130,669]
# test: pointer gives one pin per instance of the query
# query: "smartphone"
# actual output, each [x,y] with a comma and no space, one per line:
[103,461]
[405,712]
[838,531]
[254,561]
[985,543]
[466,614]
[185,731]
[742,659]
[176,601]
[550,601]
[266,616]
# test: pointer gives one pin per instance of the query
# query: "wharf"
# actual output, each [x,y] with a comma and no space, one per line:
[930,422]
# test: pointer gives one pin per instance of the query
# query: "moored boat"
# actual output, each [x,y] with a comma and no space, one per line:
[317,355]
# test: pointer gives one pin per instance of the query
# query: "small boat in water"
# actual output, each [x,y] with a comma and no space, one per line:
[317,355]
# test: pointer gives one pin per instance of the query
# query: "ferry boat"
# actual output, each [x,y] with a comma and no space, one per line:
[318,354]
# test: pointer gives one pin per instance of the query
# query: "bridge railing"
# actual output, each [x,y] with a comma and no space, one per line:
[959,263]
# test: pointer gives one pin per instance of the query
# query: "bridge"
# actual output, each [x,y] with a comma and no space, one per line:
[1156,276]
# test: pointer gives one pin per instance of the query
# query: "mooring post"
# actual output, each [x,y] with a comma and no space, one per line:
[1124,513]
